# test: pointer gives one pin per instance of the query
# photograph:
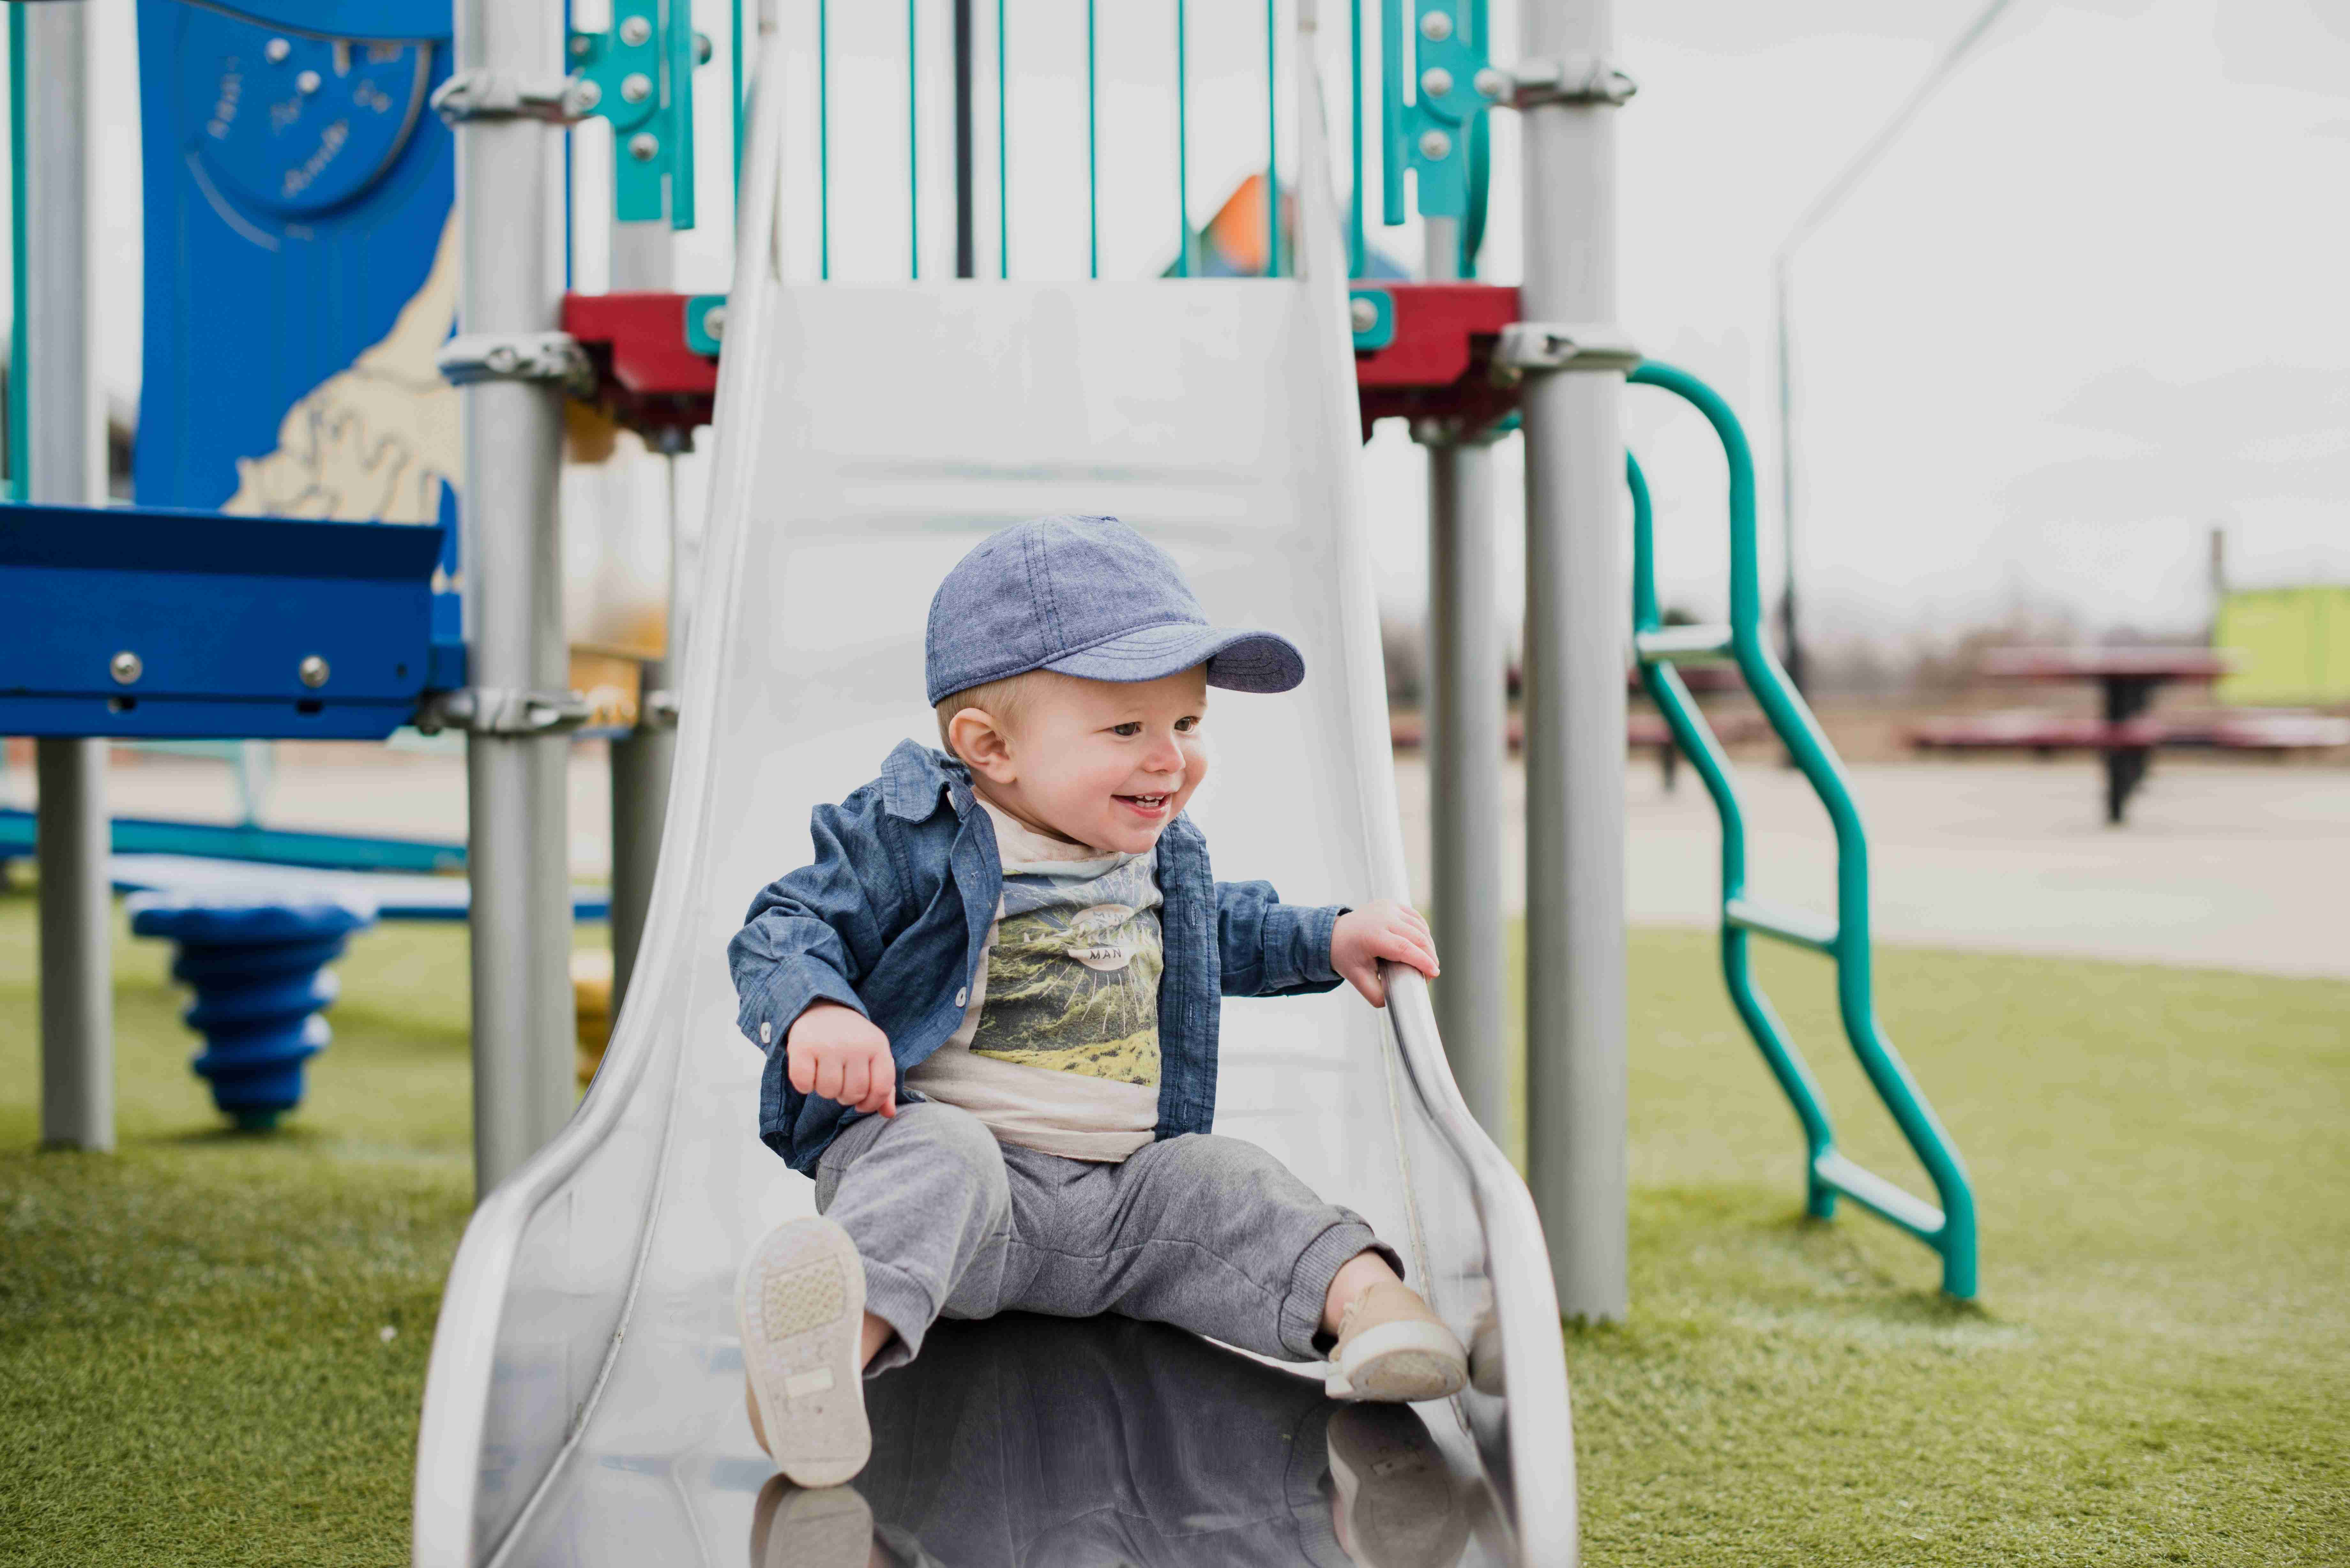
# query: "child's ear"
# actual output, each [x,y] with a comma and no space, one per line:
[979,740]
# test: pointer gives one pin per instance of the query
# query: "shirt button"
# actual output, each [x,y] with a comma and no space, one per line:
[962,997]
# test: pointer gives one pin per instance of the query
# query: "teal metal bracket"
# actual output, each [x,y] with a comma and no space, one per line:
[639,78]
[1843,937]
[1371,313]
[705,323]
[1453,84]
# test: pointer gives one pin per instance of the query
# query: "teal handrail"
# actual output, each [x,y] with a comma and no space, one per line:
[1356,246]
[1183,144]
[913,149]
[1950,1230]
[823,138]
[734,71]
[1003,161]
[1093,153]
[1479,132]
[1272,142]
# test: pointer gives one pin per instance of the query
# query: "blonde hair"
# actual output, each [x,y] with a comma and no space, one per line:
[1003,700]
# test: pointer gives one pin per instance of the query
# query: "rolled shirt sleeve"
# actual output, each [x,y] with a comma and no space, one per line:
[1268,948]
[812,935]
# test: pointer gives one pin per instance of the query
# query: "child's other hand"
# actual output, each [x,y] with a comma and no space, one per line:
[836,1052]
[1385,930]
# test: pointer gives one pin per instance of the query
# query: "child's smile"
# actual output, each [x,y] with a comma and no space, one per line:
[1103,763]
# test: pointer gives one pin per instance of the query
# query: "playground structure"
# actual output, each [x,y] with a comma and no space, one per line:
[577,1406]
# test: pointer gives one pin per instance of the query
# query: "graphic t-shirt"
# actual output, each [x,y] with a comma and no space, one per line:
[1058,1050]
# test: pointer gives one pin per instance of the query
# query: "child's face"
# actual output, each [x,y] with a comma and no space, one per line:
[1101,763]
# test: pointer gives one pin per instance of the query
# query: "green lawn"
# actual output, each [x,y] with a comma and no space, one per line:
[194,1366]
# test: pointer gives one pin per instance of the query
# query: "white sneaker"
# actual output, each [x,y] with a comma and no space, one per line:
[801,1305]
[1393,1349]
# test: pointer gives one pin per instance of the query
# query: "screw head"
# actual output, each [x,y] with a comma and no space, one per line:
[1492,83]
[582,46]
[308,82]
[643,146]
[702,48]
[1435,82]
[1435,146]
[275,50]
[1436,26]
[714,322]
[636,87]
[1362,314]
[314,672]
[586,95]
[125,667]
[635,31]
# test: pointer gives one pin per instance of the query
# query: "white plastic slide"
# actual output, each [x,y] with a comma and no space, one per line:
[585,1401]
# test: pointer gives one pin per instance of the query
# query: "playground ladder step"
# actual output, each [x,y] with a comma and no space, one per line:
[1948,1228]
[1800,927]
[1682,644]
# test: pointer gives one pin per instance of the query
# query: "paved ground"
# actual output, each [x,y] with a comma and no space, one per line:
[2235,866]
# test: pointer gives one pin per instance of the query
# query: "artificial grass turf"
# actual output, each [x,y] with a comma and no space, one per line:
[193,1369]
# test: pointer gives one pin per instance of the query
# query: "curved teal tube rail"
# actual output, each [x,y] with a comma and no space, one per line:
[1950,1230]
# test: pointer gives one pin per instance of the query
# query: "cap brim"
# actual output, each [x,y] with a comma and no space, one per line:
[1237,660]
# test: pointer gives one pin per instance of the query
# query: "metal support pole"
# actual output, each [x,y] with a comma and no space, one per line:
[1467,709]
[65,465]
[509,281]
[966,189]
[1578,634]
[640,762]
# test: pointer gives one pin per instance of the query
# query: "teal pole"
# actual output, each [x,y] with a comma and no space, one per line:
[823,138]
[1272,147]
[734,64]
[1182,148]
[1355,247]
[1478,132]
[1004,166]
[1093,185]
[913,153]
[17,357]
[1391,107]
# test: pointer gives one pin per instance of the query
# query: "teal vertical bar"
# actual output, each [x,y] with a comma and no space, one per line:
[1272,146]
[17,355]
[823,138]
[1354,112]
[734,60]
[1002,161]
[913,153]
[1478,134]
[1182,148]
[1093,171]
[1390,112]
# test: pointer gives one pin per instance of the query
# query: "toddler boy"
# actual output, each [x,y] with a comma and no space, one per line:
[990,1013]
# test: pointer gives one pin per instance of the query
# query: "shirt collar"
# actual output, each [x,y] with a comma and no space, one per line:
[914,776]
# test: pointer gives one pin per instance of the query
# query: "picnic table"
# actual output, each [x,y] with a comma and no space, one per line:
[1644,731]
[2125,733]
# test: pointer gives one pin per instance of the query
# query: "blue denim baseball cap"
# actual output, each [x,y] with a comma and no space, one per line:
[1087,596]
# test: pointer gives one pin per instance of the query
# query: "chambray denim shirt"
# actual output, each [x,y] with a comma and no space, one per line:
[892,917]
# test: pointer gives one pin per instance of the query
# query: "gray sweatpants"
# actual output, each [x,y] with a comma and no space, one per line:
[1208,1233]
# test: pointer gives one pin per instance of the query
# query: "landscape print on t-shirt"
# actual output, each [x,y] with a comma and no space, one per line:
[1073,982]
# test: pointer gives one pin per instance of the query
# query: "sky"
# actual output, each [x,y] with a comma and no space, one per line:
[2089,309]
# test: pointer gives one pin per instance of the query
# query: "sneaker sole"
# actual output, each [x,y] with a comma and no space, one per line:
[792,1527]
[1399,1363]
[801,1303]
